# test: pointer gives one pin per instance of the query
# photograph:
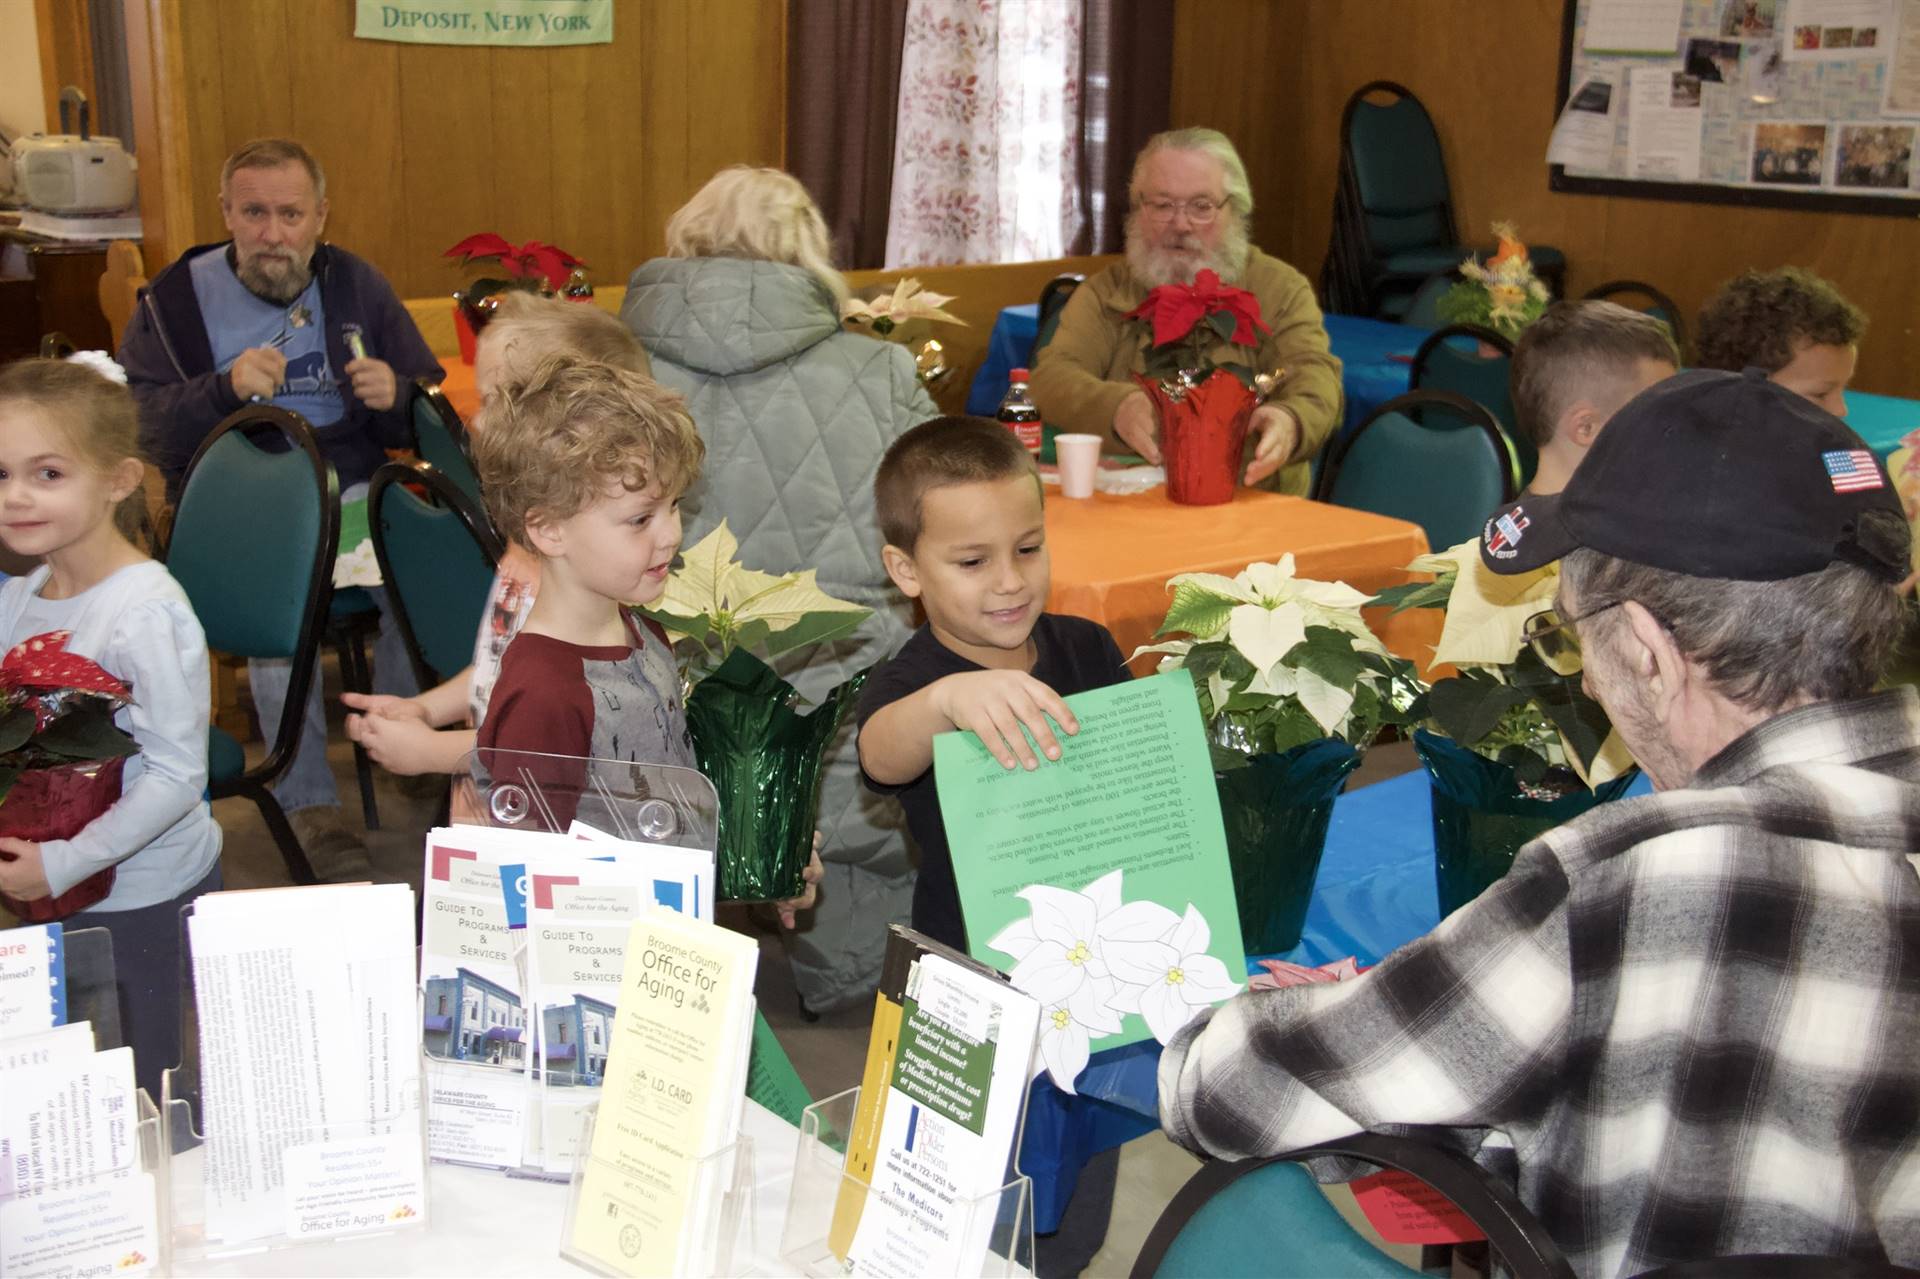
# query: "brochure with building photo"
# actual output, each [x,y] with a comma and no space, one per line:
[309,1061]
[955,1101]
[578,921]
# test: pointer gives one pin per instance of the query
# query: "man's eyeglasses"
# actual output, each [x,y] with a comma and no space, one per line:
[1199,212]
[1553,640]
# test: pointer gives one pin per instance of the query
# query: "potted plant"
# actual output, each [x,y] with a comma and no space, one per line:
[760,751]
[884,314]
[534,266]
[1292,686]
[60,757]
[1503,295]
[1203,404]
[1513,747]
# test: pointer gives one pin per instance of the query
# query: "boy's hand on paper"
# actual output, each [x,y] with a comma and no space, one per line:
[794,905]
[23,873]
[994,705]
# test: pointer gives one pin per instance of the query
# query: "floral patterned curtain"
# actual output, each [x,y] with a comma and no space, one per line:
[986,145]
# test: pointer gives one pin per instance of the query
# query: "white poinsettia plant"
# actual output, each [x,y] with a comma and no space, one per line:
[722,607]
[1280,660]
[908,301]
[1504,702]
[1091,957]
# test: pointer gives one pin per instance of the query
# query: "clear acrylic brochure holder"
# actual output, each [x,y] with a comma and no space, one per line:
[654,803]
[719,1185]
[529,791]
[123,1213]
[828,1204]
[205,1222]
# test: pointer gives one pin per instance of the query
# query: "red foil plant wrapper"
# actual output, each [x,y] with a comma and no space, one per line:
[60,757]
[1203,406]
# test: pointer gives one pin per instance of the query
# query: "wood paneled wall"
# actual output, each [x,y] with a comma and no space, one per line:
[1278,85]
[590,147]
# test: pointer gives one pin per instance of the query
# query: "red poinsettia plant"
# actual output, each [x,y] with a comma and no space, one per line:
[527,265]
[60,755]
[1187,319]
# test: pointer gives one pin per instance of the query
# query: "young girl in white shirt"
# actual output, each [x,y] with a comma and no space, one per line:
[68,458]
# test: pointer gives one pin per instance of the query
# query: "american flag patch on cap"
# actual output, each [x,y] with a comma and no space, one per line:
[1852,470]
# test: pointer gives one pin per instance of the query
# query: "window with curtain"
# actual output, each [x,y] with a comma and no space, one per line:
[986,161]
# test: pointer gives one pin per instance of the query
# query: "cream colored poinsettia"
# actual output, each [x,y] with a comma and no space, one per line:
[1485,627]
[1264,612]
[907,302]
[713,598]
[1487,612]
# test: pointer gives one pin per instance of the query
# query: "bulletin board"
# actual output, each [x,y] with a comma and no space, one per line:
[1805,104]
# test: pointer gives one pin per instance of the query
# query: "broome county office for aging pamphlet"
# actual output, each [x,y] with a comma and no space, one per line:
[651,1193]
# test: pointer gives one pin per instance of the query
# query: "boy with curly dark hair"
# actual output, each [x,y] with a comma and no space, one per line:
[1790,322]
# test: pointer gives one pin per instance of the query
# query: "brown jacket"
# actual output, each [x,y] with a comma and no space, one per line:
[1086,370]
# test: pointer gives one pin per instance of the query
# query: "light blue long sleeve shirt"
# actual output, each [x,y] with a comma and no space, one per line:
[138,625]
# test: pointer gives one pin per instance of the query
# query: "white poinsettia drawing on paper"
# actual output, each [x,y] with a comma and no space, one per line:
[1170,980]
[1070,950]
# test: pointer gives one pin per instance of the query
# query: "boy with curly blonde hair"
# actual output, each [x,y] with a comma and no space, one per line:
[583,465]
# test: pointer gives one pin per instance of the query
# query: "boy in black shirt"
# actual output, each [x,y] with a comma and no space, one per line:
[960,505]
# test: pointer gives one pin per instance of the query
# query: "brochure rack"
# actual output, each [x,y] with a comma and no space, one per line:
[110,1223]
[720,1188]
[529,791]
[657,803]
[93,991]
[826,1201]
[346,1152]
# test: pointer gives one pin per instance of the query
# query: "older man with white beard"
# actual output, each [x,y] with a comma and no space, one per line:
[1191,206]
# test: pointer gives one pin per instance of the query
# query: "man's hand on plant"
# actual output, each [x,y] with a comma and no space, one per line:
[1134,425]
[994,705]
[374,383]
[1278,433]
[23,873]
[257,373]
[794,905]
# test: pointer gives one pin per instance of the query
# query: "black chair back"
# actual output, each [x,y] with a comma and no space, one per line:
[437,556]
[1652,301]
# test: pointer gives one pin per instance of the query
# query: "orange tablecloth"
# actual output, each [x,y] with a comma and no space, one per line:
[459,389]
[1112,557]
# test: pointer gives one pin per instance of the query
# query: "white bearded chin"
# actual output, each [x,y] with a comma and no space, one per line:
[1153,267]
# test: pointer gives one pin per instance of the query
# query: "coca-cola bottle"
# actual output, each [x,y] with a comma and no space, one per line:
[1017,412]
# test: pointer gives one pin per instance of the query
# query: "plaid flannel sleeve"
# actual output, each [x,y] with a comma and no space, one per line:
[1465,1027]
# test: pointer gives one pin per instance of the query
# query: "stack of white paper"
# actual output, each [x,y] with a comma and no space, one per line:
[74,1197]
[309,1061]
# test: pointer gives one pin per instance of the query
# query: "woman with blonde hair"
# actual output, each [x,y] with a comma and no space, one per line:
[743,318]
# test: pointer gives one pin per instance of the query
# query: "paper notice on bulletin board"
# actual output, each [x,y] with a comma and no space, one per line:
[496,22]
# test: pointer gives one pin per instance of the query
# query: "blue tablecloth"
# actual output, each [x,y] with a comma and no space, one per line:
[1881,420]
[1374,894]
[1009,347]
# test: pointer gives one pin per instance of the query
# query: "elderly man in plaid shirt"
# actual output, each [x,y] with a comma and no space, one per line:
[1688,1024]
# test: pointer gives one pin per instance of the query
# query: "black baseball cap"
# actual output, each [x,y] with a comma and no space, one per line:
[1715,474]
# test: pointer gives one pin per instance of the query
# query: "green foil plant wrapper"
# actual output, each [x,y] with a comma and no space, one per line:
[758,747]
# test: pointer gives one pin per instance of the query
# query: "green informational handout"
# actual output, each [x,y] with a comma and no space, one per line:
[771,1079]
[1099,882]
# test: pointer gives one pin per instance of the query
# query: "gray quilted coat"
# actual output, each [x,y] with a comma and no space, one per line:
[796,413]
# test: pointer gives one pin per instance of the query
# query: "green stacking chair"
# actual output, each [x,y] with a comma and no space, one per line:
[1641,296]
[252,546]
[439,437]
[437,555]
[1456,359]
[1265,1217]
[1396,193]
[1432,458]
